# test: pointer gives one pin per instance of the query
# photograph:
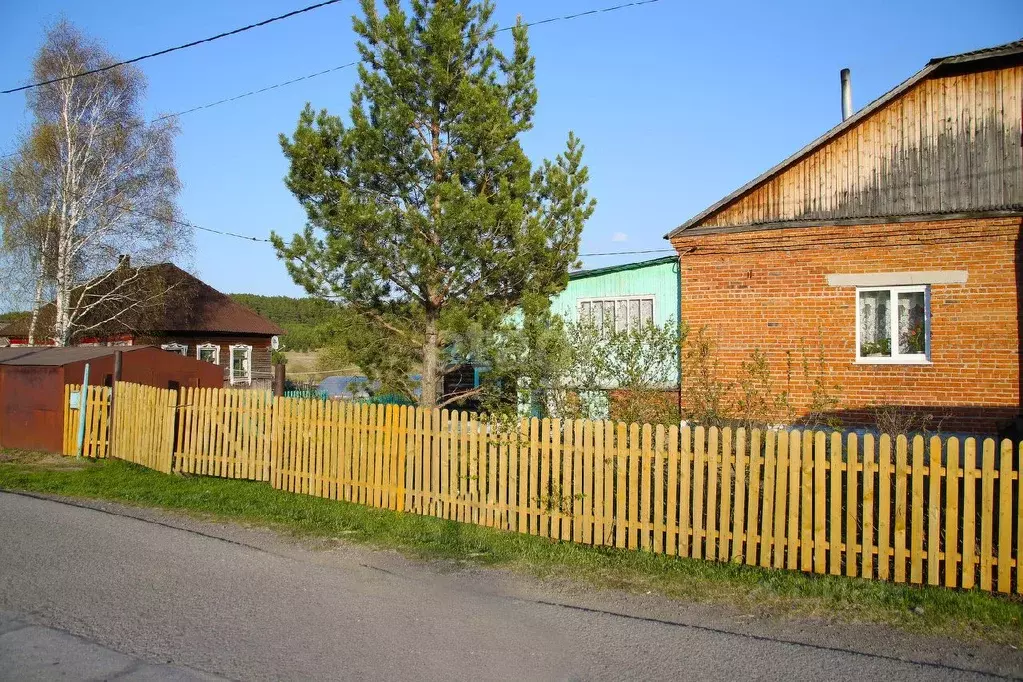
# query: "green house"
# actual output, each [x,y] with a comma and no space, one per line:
[628,294]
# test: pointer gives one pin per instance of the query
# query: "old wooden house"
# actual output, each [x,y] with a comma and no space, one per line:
[886,251]
[187,317]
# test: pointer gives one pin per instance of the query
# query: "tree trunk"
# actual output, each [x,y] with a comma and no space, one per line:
[431,354]
[62,300]
[37,301]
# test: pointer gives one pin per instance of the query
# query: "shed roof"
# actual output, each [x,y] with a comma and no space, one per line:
[934,65]
[581,274]
[50,356]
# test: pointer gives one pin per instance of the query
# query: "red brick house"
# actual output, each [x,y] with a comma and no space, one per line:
[190,318]
[889,247]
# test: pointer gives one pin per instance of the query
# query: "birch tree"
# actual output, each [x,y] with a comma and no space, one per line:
[110,185]
[426,206]
[27,213]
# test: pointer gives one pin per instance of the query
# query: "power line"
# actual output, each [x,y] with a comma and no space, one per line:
[254,92]
[185,223]
[551,20]
[332,69]
[263,240]
[625,253]
[208,105]
[173,49]
[226,233]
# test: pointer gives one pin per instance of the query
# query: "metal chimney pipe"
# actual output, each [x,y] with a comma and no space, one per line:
[847,109]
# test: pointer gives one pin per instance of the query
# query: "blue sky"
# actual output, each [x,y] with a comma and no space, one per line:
[678,102]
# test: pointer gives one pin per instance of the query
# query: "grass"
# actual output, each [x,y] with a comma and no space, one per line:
[967,615]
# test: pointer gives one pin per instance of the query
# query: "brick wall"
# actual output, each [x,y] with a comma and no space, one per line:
[767,290]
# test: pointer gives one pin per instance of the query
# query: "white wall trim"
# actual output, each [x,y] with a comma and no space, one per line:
[208,346]
[897,279]
[178,348]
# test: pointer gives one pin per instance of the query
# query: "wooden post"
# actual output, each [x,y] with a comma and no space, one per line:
[82,409]
[118,357]
[279,380]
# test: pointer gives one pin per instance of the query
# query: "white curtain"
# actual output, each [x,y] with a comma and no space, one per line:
[874,320]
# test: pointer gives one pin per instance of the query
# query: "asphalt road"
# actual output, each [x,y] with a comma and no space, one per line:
[247,605]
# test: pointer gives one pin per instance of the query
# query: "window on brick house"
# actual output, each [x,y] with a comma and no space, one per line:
[178,348]
[241,364]
[621,313]
[893,325]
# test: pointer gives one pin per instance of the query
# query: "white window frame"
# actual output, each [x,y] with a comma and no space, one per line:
[896,357]
[208,346]
[248,365]
[617,299]
[179,348]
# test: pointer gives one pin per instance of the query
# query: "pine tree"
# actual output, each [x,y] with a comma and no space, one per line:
[425,206]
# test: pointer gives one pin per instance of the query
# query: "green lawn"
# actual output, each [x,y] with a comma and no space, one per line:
[967,615]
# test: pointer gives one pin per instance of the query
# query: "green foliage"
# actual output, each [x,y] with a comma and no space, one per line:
[13,315]
[574,370]
[760,396]
[758,403]
[882,347]
[424,205]
[381,355]
[916,339]
[287,310]
[705,392]
[306,321]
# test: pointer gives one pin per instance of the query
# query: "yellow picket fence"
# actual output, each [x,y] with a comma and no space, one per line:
[97,413]
[890,509]
[921,511]
[225,433]
[143,425]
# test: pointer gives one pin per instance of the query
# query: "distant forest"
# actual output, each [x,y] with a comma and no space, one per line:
[304,319]
[11,316]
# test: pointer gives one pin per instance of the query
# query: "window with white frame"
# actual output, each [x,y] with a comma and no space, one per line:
[178,348]
[893,324]
[208,352]
[241,364]
[621,313]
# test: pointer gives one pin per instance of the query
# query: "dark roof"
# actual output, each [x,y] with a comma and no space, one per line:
[198,307]
[582,274]
[50,356]
[936,64]
[182,303]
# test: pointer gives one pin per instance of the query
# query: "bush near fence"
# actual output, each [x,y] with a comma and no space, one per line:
[915,510]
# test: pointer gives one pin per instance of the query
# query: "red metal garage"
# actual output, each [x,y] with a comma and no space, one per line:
[32,383]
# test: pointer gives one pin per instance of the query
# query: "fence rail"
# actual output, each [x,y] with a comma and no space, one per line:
[908,510]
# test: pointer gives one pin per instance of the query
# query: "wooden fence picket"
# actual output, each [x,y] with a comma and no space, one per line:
[888,508]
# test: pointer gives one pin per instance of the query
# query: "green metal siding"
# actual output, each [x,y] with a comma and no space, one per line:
[660,280]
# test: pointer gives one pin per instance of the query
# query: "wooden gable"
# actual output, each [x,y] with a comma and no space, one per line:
[949,143]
